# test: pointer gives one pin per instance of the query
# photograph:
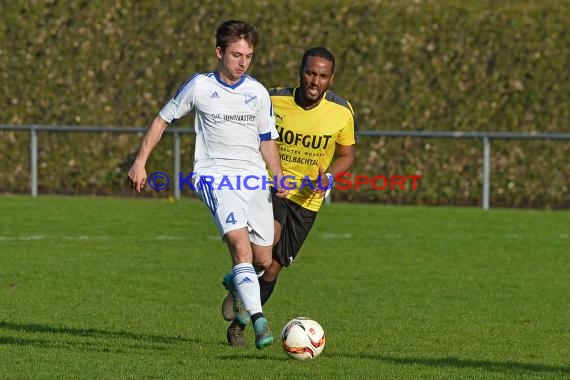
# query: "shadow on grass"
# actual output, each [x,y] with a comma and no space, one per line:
[509,367]
[144,341]
[238,355]
[71,345]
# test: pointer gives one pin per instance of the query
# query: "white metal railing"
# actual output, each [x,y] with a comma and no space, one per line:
[485,137]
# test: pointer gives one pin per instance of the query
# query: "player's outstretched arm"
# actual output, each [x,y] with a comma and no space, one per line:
[270,154]
[137,174]
[344,158]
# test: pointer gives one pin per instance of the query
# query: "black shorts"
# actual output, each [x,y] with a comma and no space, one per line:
[296,222]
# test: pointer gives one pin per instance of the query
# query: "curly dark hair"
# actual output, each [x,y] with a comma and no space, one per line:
[317,51]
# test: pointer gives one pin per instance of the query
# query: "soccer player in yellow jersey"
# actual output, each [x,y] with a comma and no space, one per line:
[316,142]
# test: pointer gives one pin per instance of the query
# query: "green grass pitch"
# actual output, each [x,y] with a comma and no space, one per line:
[105,288]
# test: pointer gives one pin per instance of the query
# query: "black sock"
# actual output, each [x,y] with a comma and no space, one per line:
[236,322]
[266,289]
[255,317]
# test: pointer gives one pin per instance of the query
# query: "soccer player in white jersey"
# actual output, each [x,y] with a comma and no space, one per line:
[235,137]
[317,128]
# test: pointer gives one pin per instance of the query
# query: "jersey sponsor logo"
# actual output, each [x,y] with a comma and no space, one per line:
[307,141]
[217,117]
[215,95]
[299,160]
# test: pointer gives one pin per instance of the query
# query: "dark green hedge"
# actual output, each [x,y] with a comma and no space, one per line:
[405,65]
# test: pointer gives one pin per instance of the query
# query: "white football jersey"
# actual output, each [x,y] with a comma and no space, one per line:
[230,123]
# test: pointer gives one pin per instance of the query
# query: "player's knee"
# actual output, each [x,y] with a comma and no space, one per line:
[263,262]
[272,271]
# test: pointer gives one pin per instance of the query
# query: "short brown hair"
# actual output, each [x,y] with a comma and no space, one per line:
[233,30]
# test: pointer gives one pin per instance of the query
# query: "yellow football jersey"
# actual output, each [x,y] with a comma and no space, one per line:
[303,147]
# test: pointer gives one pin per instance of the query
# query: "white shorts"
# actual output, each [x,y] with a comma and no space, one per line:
[237,208]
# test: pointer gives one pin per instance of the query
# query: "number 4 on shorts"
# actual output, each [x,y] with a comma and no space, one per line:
[231,218]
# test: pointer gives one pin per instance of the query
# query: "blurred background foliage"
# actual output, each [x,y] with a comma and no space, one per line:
[434,65]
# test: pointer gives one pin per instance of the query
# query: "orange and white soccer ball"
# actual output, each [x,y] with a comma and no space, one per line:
[303,338]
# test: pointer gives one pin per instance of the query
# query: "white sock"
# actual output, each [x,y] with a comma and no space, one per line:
[247,286]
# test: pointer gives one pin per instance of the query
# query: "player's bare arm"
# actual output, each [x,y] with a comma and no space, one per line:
[270,154]
[342,163]
[137,174]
